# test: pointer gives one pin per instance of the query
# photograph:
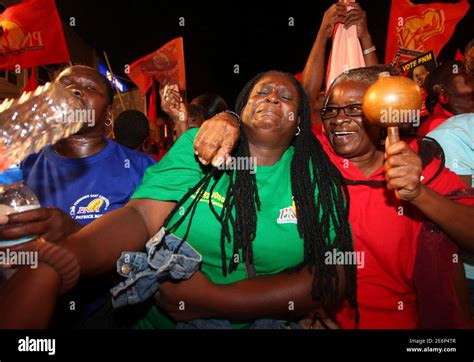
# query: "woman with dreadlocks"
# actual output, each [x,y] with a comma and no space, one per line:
[410,275]
[263,232]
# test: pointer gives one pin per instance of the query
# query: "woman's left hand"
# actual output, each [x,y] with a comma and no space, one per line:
[186,300]
[403,170]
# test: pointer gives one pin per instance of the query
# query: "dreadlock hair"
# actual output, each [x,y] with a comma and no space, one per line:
[311,170]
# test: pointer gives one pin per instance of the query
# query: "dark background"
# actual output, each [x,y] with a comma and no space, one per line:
[218,34]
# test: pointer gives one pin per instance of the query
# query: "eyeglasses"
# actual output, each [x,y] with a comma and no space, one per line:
[349,110]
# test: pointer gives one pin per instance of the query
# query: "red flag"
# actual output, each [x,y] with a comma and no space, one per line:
[32,35]
[416,29]
[163,65]
[32,82]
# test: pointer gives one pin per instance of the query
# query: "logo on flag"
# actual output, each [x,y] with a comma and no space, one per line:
[417,29]
[31,34]
[164,65]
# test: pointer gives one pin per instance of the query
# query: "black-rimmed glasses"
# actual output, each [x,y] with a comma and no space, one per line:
[349,110]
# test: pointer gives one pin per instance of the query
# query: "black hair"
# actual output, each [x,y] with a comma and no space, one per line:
[311,172]
[211,103]
[197,113]
[468,46]
[131,128]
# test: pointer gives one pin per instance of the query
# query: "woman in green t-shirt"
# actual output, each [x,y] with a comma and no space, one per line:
[283,212]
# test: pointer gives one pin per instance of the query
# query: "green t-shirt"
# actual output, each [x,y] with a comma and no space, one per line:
[277,245]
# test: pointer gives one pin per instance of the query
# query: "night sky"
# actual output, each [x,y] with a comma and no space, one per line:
[219,34]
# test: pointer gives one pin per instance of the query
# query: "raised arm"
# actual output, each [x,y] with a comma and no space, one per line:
[313,73]
[356,16]
[174,106]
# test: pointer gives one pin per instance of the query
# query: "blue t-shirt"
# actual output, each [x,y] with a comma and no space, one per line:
[86,188]
[456,136]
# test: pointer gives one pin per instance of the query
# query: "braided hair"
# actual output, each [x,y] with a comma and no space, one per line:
[311,171]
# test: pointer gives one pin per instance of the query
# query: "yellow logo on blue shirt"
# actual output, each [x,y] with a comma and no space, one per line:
[90,206]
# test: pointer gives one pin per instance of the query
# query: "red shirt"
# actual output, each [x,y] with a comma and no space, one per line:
[386,230]
[159,156]
[317,129]
[437,118]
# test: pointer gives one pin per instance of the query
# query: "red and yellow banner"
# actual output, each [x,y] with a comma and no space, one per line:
[163,65]
[31,35]
[417,29]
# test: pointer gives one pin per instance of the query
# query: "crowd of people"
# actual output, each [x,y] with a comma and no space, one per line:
[257,247]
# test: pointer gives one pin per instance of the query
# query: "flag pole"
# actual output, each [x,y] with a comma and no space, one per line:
[113,77]
[144,103]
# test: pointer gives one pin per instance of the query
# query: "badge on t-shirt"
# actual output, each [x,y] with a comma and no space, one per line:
[90,206]
[288,214]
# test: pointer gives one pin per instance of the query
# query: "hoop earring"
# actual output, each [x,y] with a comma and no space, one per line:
[108,122]
[299,131]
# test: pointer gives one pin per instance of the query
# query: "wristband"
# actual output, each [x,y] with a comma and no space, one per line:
[369,50]
[232,113]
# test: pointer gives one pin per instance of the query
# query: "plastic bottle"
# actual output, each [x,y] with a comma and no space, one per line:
[38,118]
[15,197]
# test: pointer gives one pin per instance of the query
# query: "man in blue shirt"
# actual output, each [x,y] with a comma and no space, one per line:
[81,177]
[77,180]
[86,188]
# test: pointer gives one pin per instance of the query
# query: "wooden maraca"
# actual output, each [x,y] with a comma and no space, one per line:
[392,101]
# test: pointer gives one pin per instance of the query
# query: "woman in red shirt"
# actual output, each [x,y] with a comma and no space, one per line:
[385,228]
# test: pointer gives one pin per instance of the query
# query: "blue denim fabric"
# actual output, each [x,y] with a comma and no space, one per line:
[167,257]
[224,324]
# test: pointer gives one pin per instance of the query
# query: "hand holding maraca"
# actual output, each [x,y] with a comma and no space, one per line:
[388,103]
[402,170]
